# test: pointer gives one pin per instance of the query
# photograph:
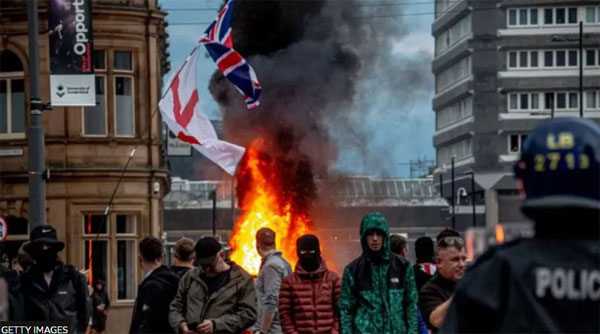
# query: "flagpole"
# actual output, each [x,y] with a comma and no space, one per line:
[132,153]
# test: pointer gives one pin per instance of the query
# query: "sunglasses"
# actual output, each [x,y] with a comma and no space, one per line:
[451,241]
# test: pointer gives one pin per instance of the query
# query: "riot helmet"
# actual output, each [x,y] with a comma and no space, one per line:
[559,166]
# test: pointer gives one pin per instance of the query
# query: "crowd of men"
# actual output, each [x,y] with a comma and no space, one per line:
[549,283]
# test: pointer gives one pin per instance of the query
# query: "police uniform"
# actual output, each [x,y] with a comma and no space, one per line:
[549,283]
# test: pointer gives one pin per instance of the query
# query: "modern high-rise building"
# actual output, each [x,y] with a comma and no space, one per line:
[500,68]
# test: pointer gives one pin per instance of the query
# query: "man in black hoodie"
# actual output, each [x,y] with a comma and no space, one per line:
[151,310]
[53,290]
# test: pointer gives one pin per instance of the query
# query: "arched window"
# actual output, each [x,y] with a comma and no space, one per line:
[12,96]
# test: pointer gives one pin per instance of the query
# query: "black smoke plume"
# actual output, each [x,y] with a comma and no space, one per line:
[322,65]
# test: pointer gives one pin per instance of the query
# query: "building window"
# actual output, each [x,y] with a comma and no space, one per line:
[573,58]
[560,59]
[512,17]
[94,118]
[126,263]
[123,61]
[561,100]
[552,58]
[454,74]
[459,150]
[512,60]
[99,60]
[523,102]
[592,14]
[573,100]
[592,100]
[524,105]
[533,13]
[591,59]
[453,35]
[124,113]
[12,97]
[523,57]
[572,15]
[523,17]
[119,81]
[454,113]
[513,102]
[534,58]
[443,6]
[548,16]
[560,16]
[515,143]
[548,59]
[113,240]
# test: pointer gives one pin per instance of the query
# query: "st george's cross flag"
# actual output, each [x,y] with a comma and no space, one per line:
[180,109]
[219,42]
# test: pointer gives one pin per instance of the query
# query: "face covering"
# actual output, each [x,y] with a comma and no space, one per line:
[310,261]
[46,260]
[309,254]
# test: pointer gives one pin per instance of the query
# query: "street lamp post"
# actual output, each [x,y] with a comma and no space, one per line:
[580,68]
[213,196]
[453,201]
[473,196]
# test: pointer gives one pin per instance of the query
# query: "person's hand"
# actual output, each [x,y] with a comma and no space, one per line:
[206,327]
[183,328]
[100,308]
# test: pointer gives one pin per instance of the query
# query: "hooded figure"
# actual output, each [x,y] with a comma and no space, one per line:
[100,305]
[378,294]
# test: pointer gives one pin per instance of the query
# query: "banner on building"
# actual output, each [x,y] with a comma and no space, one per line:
[71,67]
[176,147]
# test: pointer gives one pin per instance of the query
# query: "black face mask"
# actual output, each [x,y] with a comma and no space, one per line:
[310,261]
[46,260]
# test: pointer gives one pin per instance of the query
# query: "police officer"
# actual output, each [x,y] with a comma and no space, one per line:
[549,283]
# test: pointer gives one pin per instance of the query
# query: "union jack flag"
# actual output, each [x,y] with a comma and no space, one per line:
[218,41]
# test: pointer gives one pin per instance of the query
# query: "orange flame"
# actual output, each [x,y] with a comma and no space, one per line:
[263,206]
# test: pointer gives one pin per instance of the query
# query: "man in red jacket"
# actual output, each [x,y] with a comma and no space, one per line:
[308,298]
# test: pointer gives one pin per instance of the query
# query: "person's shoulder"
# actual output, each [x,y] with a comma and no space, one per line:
[429,286]
[161,277]
[237,270]
[331,275]
[355,264]
[275,263]
[499,253]
[291,279]
[70,271]
[400,260]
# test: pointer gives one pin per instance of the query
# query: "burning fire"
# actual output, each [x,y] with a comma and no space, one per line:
[264,205]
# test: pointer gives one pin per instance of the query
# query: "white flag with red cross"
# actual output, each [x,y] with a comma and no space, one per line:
[180,109]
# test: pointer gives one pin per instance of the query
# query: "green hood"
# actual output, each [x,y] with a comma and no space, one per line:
[375,221]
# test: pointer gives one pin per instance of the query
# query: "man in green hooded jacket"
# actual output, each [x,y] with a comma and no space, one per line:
[378,293]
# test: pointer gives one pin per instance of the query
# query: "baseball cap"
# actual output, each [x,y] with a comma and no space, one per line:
[206,250]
